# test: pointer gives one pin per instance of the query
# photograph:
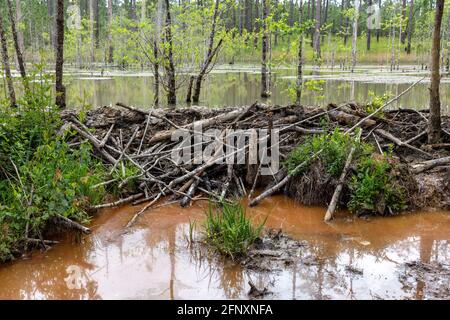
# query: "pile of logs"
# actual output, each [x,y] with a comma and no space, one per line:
[122,135]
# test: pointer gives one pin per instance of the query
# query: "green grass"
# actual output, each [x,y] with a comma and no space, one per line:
[228,229]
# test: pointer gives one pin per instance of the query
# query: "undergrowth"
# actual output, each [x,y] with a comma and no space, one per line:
[229,230]
[373,188]
[40,176]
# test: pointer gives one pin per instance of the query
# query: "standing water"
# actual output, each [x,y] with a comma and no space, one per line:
[350,258]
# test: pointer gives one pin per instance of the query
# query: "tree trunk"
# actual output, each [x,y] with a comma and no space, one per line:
[156,72]
[169,66]
[51,17]
[16,43]
[410,26]
[434,121]
[6,66]
[265,37]
[355,34]
[403,33]
[378,30]
[316,39]
[447,62]
[347,22]
[60,89]
[209,55]
[110,39]
[300,57]
[19,18]
[97,24]
[92,28]
[369,33]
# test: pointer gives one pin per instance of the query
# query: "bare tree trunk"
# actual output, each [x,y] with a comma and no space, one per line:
[355,34]
[265,38]
[410,26]
[6,66]
[257,22]
[16,43]
[378,30]
[369,33]
[316,39]
[156,72]
[110,40]
[92,28]
[60,89]
[403,33]
[434,121]
[347,22]
[212,51]
[169,66]
[300,57]
[19,18]
[97,24]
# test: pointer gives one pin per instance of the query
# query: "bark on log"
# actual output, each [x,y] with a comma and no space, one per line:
[427,165]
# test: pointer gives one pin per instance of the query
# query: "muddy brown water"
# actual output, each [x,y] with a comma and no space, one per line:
[351,258]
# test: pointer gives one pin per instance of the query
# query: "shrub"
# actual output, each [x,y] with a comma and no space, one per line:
[373,189]
[334,147]
[229,230]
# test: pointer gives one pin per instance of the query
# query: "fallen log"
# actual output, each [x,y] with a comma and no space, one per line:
[427,165]
[73,225]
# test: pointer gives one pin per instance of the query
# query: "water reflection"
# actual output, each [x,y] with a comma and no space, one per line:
[349,259]
[236,87]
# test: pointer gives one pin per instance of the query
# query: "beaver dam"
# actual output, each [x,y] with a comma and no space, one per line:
[337,156]
[340,157]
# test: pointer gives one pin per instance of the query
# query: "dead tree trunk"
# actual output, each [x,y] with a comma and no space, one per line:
[403,33]
[92,28]
[265,46]
[6,66]
[169,66]
[212,52]
[16,43]
[369,33]
[300,57]
[156,72]
[60,89]
[434,121]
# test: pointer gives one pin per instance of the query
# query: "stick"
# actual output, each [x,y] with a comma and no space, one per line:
[400,143]
[119,202]
[133,220]
[338,190]
[427,165]
[385,105]
[74,225]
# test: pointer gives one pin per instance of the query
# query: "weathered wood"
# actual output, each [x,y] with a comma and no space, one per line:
[400,143]
[427,165]
[118,202]
[73,225]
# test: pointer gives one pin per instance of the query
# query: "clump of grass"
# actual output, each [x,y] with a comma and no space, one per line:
[228,229]
[373,188]
[334,149]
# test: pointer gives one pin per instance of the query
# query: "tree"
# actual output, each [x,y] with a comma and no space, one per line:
[92,28]
[110,38]
[369,34]
[434,121]
[6,66]
[60,89]
[316,39]
[403,33]
[211,53]
[410,26]
[169,64]
[300,56]
[355,34]
[16,43]
[265,39]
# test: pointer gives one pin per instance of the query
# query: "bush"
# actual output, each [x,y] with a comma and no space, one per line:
[40,176]
[229,230]
[334,146]
[373,189]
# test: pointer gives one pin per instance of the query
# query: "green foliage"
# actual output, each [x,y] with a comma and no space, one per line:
[377,102]
[373,188]
[40,176]
[333,149]
[229,230]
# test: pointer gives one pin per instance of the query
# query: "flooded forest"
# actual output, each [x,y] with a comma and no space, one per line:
[225,149]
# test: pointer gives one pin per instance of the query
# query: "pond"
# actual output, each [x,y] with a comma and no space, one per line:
[349,259]
[240,85]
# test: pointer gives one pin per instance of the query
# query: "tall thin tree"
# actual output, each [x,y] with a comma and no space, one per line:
[16,42]
[298,100]
[60,89]
[169,64]
[110,38]
[6,65]
[434,121]
[265,46]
